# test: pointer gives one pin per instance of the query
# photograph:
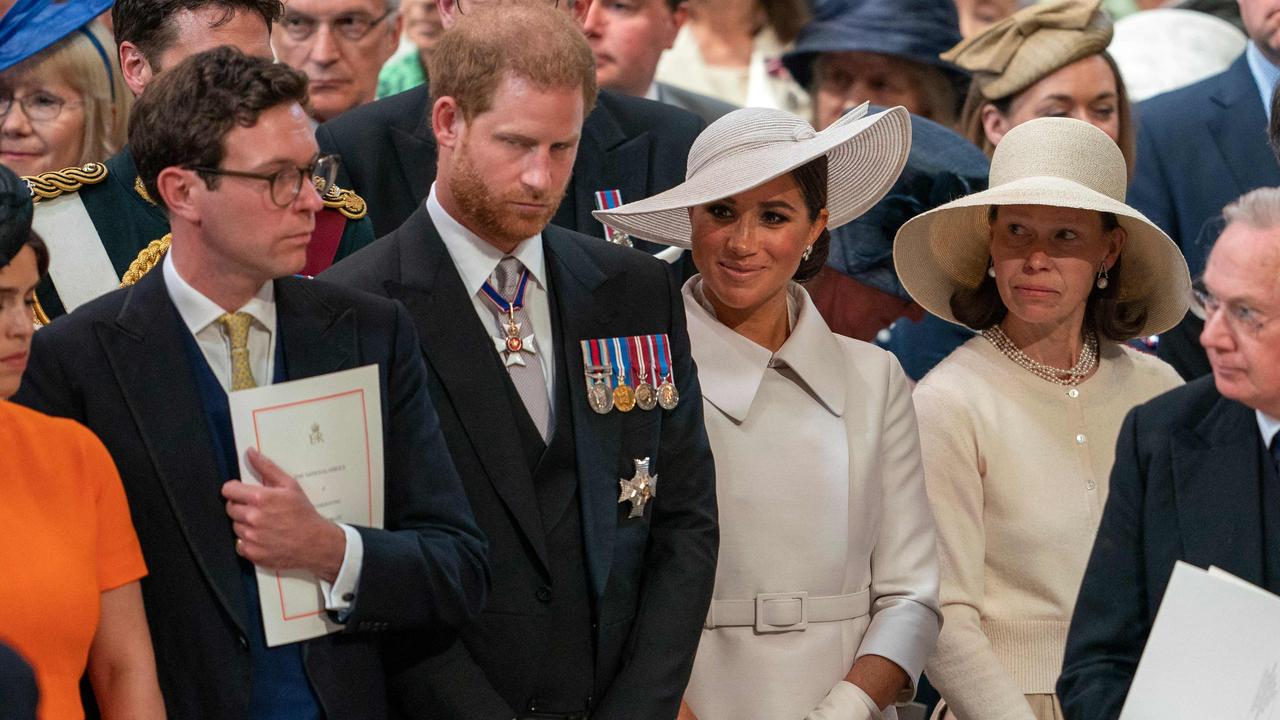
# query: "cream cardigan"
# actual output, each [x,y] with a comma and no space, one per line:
[1017,472]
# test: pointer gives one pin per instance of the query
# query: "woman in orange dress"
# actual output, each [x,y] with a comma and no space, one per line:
[70,561]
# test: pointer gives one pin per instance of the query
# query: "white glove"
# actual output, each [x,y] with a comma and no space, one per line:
[846,701]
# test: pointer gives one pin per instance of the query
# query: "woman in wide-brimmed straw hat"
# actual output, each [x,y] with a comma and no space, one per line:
[1018,425]
[825,603]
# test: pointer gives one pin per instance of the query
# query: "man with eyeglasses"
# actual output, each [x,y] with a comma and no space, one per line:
[630,145]
[101,224]
[1195,477]
[223,143]
[341,45]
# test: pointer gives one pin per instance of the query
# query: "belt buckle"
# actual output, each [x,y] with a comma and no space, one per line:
[763,598]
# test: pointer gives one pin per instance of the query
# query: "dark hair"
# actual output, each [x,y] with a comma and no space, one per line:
[148,24]
[786,17]
[1105,314]
[674,5]
[1273,127]
[36,243]
[185,114]
[812,179]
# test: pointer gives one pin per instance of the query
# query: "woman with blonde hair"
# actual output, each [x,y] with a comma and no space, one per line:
[1018,425]
[63,101]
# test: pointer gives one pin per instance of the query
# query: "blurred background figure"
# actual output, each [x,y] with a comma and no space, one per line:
[1168,48]
[408,67]
[62,99]
[628,39]
[341,45]
[857,51]
[978,15]
[730,49]
[1048,59]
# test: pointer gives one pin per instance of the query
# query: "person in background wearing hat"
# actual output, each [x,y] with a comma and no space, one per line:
[70,561]
[825,603]
[1197,472]
[102,226]
[1046,60]
[857,51]
[1018,425]
[63,101]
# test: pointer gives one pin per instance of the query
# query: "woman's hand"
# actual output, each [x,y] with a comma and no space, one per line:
[122,665]
[685,712]
[880,678]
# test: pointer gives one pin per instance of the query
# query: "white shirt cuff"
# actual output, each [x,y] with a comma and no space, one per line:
[341,595]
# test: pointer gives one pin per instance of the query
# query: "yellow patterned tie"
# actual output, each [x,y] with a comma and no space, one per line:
[237,328]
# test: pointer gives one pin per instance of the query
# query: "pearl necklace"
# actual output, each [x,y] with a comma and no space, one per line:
[1073,376]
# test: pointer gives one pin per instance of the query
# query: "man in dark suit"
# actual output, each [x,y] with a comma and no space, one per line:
[223,142]
[1199,148]
[632,145]
[1195,475]
[598,595]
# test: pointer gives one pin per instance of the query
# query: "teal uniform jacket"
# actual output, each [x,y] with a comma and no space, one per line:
[127,222]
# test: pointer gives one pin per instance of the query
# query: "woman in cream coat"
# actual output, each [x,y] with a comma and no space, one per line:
[825,603]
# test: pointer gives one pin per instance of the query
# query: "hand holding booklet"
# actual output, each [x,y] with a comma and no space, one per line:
[326,432]
[1213,652]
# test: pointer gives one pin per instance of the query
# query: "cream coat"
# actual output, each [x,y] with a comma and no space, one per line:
[820,489]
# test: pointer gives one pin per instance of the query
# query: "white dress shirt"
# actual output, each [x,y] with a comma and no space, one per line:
[1269,426]
[476,260]
[1264,73]
[200,315]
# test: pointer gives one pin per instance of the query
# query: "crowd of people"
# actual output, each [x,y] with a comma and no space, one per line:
[764,359]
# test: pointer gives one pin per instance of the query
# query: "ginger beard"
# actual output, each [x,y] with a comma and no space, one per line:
[492,216]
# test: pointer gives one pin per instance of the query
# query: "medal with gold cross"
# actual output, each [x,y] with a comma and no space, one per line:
[639,490]
[512,343]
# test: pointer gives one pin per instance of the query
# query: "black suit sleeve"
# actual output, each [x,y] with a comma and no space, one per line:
[680,561]
[45,385]
[17,687]
[1110,626]
[427,570]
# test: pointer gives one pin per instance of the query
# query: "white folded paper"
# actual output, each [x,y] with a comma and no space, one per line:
[1214,652]
[325,431]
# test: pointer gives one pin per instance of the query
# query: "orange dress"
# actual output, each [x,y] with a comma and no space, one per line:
[68,537]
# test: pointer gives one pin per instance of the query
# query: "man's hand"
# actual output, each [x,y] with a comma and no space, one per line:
[277,527]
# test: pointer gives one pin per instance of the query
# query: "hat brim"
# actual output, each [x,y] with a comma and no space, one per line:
[947,249]
[865,154]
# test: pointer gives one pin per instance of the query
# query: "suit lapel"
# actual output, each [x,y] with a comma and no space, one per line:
[607,160]
[144,348]
[1239,129]
[416,155]
[1217,490]
[317,338]
[583,292]
[463,358]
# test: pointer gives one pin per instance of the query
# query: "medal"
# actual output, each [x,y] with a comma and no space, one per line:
[598,395]
[668,396]
[646,395]
[640,489]
[608,200]
[511,345]
[623,398]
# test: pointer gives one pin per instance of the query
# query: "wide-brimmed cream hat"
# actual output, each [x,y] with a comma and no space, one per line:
[1048,161]
[751,146]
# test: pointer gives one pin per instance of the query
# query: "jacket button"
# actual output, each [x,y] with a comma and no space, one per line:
[544,594]
[244,642]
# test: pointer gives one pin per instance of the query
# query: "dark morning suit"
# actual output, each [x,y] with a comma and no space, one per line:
[17,687]
[551,512]
[1192,481]
[630,144]
[1199,148]
[122,365]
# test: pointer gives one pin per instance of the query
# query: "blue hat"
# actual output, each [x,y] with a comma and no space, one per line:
[918,30]
[942,166]
[33,25]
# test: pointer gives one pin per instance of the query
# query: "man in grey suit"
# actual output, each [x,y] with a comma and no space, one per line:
[629,38]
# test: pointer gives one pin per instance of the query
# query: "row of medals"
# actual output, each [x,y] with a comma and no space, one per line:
[625,399]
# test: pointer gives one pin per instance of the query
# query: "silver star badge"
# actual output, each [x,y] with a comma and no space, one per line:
[515,357]
[639,490]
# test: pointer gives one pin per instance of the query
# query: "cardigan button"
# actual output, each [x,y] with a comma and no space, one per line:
[1080,439]
[1073,393]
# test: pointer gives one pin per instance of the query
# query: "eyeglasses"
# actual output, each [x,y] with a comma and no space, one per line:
[286,183]
[1238,317]
[350,26]
[40,106]
[554,4]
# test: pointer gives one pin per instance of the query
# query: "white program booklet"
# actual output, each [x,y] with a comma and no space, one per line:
[325,431]
[1214,652]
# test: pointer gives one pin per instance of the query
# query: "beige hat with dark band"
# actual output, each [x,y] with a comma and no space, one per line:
[1018,51]
[1059,162]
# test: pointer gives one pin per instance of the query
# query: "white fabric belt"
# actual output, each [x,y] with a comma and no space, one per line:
[786,612]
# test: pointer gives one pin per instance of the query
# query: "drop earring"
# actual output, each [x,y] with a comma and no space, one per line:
[808,250]
[991,268]
[1102,281]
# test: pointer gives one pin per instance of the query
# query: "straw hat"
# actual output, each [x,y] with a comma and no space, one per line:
[751,146]
[1047,161]
[1016,52]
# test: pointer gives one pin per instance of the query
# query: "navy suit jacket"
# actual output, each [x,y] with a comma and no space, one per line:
[630,144]
[1187,484]
[117,366]
[650,578]
[17,687]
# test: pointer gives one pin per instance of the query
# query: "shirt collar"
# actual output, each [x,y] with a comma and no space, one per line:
[1269,426]
[1264,73]
[199,312]
[731,367]
[654,93]
[474,257]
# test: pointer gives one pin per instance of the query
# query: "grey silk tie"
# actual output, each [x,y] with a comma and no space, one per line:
[528,378]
